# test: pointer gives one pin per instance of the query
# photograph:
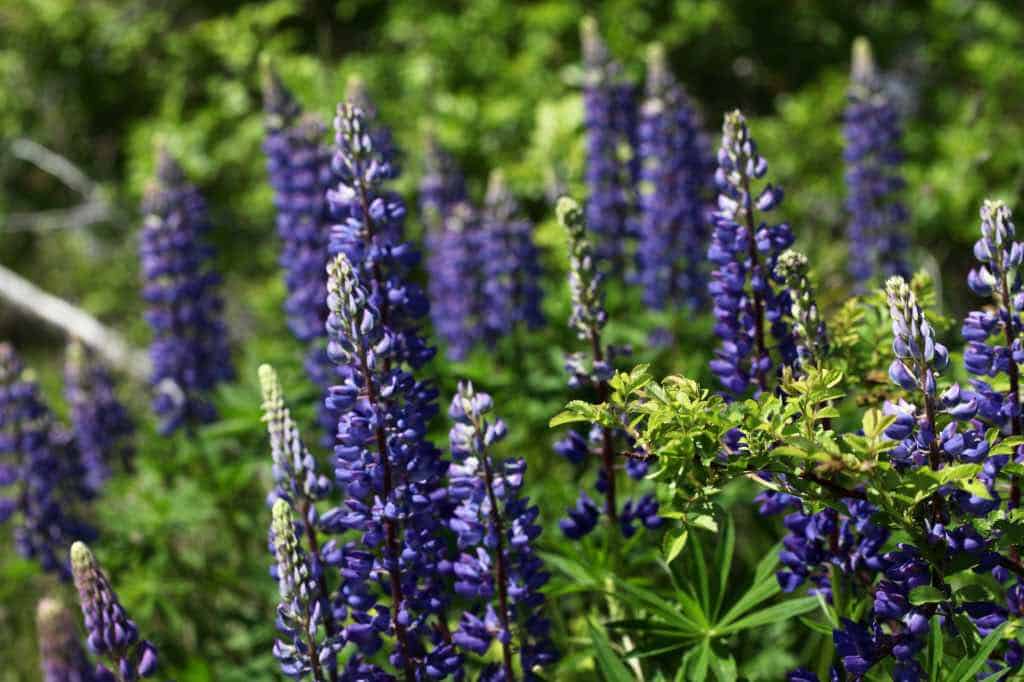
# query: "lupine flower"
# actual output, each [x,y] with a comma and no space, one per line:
[808,327]
[749,299]
[593,368]
[610,112]
[61,654]
[370,229]
[112,635]
[495,527]
[392,475]
[993,337]
[298,164]
[873,158]
[455,265]
[190,346]
[511,269]
[101,425]
[300,615]
[676,168]
[919,357]
[41,476]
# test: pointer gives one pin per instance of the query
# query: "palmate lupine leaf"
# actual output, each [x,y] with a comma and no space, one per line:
[608,662]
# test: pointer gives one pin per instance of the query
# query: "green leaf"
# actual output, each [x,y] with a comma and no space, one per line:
[969,667]
[723,665]
[675,545]
[935,653]
[772,614]
[642,598]
[723,563]
[700,666]
[608,662]
[1007,446]
[926,594]
[701,567]
[958,472]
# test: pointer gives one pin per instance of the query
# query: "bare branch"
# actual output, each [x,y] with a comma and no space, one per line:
[54,164]
[73,321]
[95,206]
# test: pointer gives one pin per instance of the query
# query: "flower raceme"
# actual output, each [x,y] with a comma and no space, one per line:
[749,297]
[100,424]
[871,126]
[61,655]
[298,166]
[497,568]
[592,368]
[189,352]
[609,118]
[676,169]
[112,635]
[43,484]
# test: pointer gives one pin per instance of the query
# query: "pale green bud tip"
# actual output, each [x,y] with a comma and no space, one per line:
[49,610]
[268,378]
[734,120]
[568,212]
[81,557]
[356,92]
[792,263]
[862,65]
[656,56]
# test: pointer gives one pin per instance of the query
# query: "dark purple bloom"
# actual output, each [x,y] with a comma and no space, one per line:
[873,158]
[390,472]
[61,654]
[112,635]
[298,165]
[676,168]
[496,527]
[610,112]
[190,345]
[100,424]
[42,480]
[456,279]
[751,303]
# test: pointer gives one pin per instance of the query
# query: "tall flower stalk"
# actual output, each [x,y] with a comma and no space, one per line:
[42,481]
[189,352]
[497,568]
[61,655]
[100,424]
[676,168]
[391,473]
[873,157]
[750,301]
[306,600]
[593,368]
[610,113]
[298,164]
[112,635]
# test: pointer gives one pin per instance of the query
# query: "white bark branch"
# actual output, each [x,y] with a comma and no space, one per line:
[75,322]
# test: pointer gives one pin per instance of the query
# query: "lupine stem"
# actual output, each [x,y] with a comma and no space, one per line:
[500,569]
[330,626]
[607,437]
[762,350]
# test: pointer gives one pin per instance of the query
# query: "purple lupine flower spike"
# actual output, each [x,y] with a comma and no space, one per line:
[190,351]
[456,267]
[610,112]
[298,164]
[452,238]
[301,650]
[676,169]
[511,269]
[392,475]
[873,158]
[593,368]
[809,331]
[112,635]
[61,655]
[100,424]
[750,302]
[497,568]
[41,476]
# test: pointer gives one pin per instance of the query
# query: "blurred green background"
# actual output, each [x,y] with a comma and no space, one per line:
[100,82]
